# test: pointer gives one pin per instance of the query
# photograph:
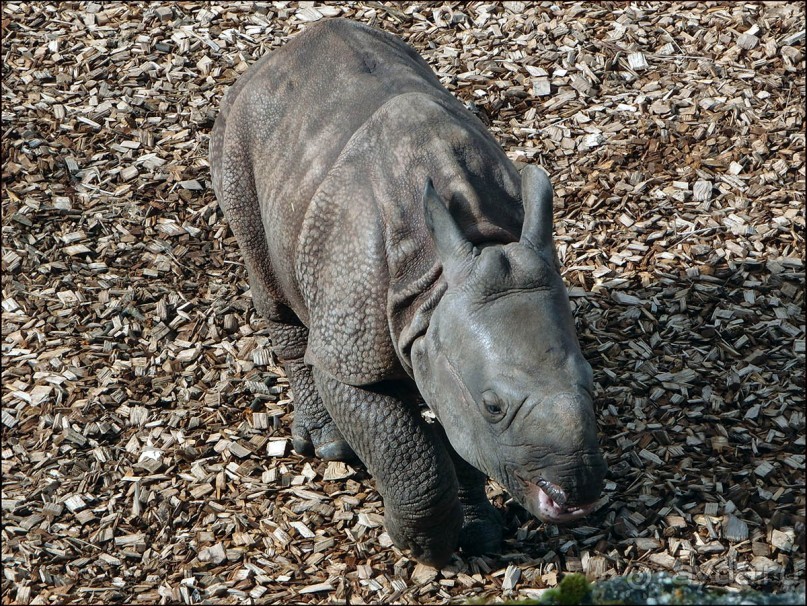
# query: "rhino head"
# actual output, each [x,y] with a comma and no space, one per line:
[500,365]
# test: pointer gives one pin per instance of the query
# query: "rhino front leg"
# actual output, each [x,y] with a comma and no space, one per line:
[412,469]
[313,431]
[482,523]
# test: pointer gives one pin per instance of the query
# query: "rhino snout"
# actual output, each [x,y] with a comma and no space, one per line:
[565,473]
[563,493]
[576,484]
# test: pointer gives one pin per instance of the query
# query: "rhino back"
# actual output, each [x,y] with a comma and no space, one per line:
[292,113]
[337,132]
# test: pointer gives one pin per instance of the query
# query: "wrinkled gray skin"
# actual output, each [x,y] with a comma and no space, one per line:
[386,242]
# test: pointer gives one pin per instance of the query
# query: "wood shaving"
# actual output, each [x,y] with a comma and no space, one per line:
[146,448]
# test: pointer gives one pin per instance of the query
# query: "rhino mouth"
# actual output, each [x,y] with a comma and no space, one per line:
[549,502]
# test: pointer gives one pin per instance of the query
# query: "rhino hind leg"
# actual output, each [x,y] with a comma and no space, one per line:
[313,431]
[407,458]
[234,184]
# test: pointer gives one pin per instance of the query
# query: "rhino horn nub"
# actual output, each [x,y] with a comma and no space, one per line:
[536,195]
[453,247]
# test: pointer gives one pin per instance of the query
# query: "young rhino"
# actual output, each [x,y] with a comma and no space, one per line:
[396,252]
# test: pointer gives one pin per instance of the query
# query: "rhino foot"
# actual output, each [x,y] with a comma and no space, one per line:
[431,541]
[313,431]
[481,529]
[333,450]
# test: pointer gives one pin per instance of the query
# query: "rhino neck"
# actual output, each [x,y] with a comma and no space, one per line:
[413,137]
[411,305]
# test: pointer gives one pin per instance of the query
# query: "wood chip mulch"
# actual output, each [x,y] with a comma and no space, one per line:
[145,425]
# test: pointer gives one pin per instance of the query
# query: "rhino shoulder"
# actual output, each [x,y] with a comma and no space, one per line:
[342,273]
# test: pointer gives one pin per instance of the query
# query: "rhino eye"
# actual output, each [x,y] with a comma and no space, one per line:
[492,404]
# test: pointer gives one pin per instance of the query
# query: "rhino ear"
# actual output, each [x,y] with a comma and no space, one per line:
[452,247]
[536,195]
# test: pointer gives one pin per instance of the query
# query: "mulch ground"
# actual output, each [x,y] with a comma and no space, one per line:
[146,454]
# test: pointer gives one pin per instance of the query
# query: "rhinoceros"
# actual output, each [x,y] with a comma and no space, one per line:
[399,257]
